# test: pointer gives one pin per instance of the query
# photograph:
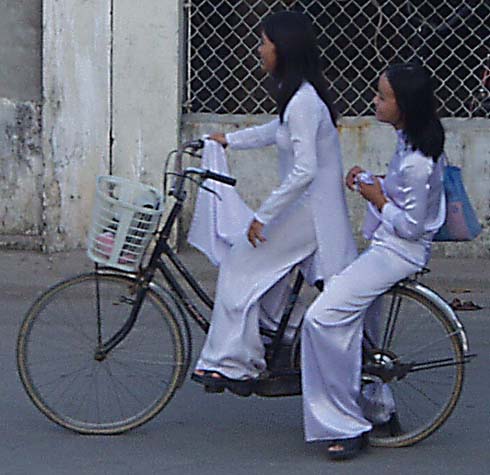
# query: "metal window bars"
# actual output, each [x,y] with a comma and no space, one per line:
[357,39]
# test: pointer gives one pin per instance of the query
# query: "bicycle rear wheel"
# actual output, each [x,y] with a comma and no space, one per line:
[417,364]
[56,355]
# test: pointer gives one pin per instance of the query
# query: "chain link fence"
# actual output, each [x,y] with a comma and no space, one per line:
[357,39]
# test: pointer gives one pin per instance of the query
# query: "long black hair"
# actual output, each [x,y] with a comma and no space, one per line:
[298,58]
[414,94]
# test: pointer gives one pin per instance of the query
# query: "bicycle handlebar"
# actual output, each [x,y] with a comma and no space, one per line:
[227,180]
[208,174]
[195,145]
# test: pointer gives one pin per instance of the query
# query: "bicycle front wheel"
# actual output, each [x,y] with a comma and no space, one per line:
[417,367]
[57,355]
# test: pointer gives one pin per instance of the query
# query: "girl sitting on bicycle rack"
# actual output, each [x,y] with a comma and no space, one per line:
[410,207]
[305,217]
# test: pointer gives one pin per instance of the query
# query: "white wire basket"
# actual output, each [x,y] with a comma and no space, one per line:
[125,216]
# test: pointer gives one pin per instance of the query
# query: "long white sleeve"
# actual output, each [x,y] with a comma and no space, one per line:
[253,137]
[302,118]
[407,217]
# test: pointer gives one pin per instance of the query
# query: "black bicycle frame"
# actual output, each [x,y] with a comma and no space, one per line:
[156,262]
[273,353]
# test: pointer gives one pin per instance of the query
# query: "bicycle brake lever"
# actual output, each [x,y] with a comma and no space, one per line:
[212,191]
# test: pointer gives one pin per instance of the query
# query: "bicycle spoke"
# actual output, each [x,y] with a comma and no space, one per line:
[116,394]
[430,381]
[61,377]
[416,334]
[84,396]
[403,399]
[66,390]
[75,330]
[128,391]
[145,361]
[97,404]
[53,363]
[421,392]
[147,373]
[430,344]
[82,389]
[392,318]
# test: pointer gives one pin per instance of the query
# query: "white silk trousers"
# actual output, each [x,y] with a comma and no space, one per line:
[331,344]
[234,345]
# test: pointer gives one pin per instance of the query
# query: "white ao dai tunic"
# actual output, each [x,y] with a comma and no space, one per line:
[305,217]
[333,326]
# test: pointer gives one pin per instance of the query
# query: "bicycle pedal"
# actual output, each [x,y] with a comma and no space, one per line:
[214,389]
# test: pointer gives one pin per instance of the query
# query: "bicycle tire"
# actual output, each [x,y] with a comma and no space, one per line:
[57,343]
[425,339]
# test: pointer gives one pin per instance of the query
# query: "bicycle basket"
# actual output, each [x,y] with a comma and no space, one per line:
[125,216]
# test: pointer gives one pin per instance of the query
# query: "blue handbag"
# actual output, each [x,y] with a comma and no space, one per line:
[461,222]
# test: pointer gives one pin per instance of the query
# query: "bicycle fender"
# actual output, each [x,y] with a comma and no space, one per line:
[440,303]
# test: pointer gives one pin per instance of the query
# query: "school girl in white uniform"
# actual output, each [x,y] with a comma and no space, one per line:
[410,206]
[304,218]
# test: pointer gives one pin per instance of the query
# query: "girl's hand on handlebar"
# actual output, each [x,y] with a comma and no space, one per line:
[220,138]
[350,179]
[255,233]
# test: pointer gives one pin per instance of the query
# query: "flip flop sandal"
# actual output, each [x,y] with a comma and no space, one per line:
[349,447]
[213,384]
[457,304]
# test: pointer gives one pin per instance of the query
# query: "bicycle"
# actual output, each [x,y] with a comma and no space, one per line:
[104,352]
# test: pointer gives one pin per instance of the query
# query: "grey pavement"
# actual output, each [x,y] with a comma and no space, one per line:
[200,433]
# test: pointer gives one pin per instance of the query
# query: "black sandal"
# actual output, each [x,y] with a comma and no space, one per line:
[349,448]
[214,384]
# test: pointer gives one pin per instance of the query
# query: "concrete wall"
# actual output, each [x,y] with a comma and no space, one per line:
[110,75]
[76,113]
[20,174]
[369,144]
[111,104]
[146,87]
[20,54]
[20,132]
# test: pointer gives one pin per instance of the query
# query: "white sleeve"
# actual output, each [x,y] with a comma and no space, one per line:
[372,216]
[253,137]
[303,120]
[406,218]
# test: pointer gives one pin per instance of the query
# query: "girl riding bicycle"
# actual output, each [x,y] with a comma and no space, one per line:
[304,218]
[408,207]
